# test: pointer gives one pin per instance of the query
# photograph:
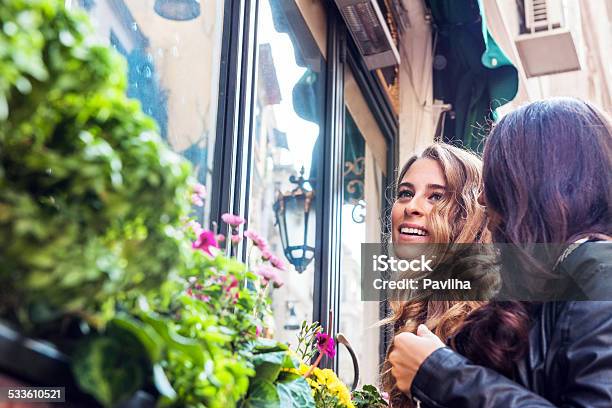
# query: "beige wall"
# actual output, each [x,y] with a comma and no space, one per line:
[417,115]
[590,22]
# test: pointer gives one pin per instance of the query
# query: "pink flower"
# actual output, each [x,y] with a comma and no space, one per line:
[277,263]
[270,274]
[195,227]
[257,239]
[200,190]
[235,238]
[197,200]
[325,345]
[233,284]
[205,241]
[233,220]
[220,237]
[199,193]
[266,254]
[258,331]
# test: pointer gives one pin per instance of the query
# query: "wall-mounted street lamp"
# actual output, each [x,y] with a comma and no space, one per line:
[296,220]
[179,10]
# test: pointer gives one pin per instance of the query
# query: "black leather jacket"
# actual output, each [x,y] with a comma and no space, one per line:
[569,362]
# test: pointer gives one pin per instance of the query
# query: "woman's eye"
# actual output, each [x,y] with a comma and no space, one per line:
[436,197]
[405,194]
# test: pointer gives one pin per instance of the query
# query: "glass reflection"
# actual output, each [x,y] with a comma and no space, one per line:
[173,69]
[288,122]
[361,210]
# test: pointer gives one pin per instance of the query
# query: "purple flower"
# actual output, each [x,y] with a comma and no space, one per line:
[205,241]
[326,345]
[257,239]
[270,274]
[233,220]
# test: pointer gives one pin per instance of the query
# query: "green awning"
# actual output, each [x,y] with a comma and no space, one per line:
[471,72]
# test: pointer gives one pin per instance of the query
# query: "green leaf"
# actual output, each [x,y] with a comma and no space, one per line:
[110,368]
[262,394]
[268,365]
[162,384]
[175,341]
[295,394]
[146,334]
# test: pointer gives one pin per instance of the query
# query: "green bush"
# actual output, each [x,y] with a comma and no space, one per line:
[90,198]
[92,212]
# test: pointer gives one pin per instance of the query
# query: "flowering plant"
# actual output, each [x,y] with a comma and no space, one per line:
[370,397]
[327,389]
[95,254]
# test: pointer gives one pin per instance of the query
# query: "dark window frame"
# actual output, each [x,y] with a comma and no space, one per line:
[234,140]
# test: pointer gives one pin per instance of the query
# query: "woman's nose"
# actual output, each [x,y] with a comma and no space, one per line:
[414,207]
[481,199]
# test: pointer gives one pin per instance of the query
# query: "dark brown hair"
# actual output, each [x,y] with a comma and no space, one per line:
[548,178]
[547,172]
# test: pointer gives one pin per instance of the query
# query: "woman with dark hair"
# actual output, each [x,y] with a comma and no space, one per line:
[548,179]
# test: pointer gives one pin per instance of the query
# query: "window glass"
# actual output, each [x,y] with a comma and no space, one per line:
[173,56]
[288,128]
[364,160]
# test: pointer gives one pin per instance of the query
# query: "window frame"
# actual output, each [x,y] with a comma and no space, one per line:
[230,188]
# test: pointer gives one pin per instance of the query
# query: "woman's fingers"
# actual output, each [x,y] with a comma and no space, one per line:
[423,331]
[409,352]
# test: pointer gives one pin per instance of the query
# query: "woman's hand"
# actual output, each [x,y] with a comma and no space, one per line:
[409,352]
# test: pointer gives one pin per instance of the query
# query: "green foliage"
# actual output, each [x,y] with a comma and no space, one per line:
[295,393]
[368,397]
[92,206]
[90,198]
[276,381]
[112,366]
[307,340]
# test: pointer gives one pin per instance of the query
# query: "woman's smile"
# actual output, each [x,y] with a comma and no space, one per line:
[419,191]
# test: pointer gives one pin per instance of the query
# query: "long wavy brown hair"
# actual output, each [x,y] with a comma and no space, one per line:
[457,218]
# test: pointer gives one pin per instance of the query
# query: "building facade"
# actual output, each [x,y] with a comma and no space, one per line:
[286,124]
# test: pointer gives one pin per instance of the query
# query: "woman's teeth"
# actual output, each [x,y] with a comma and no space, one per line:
[413,231]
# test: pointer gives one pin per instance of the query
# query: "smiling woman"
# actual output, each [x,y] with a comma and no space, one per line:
[437,202]
[422,186]
[448,179]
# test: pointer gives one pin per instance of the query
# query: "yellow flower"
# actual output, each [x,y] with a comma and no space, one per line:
[326,378]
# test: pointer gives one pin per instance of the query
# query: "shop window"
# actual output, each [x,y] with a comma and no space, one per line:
[172,68]
[289,126]
[364,167]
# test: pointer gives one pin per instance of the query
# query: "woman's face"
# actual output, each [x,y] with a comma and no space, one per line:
[421,188]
